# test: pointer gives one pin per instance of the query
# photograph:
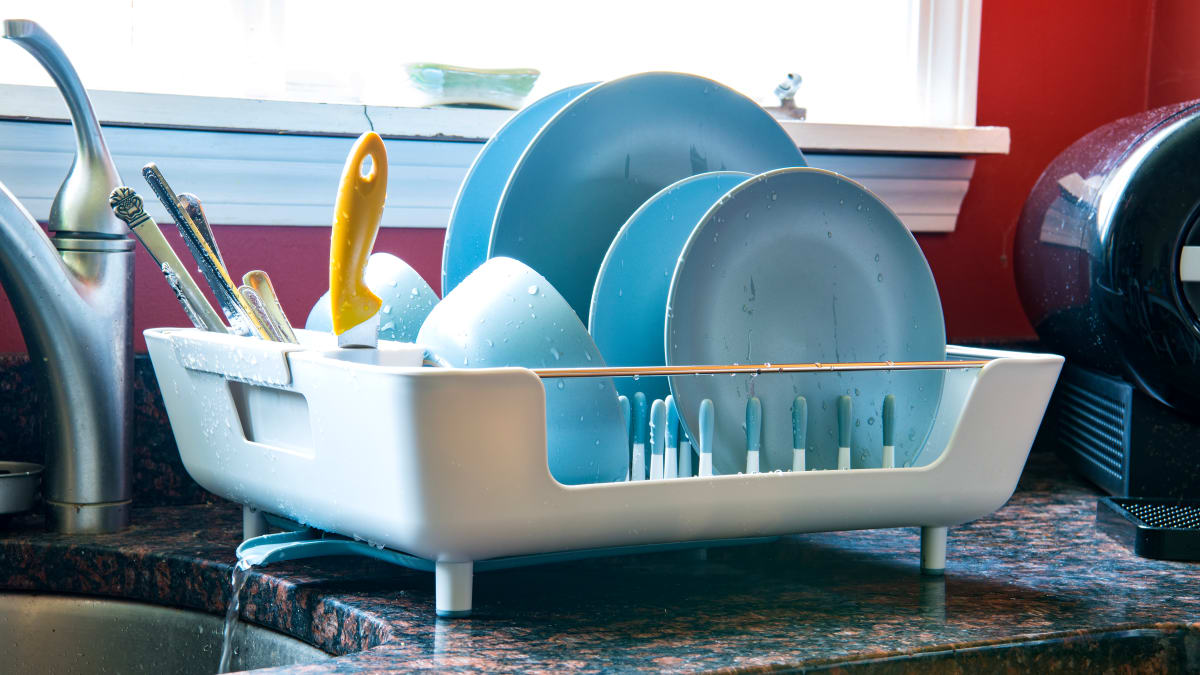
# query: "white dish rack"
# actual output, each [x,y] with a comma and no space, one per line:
[447,469]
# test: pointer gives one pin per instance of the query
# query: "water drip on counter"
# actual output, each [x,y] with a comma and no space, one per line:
[241,572]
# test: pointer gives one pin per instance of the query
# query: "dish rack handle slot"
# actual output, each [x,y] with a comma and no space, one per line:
[274,417]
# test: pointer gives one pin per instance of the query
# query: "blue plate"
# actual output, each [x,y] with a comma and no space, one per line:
[611,149]
[630,297]
[805,265]
[475,206]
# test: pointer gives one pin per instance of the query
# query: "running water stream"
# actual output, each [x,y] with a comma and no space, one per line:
[240,573]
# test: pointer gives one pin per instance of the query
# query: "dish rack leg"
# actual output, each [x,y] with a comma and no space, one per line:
[453,583]
[933,550]
[253,523]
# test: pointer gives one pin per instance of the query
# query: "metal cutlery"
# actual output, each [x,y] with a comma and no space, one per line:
[236,308]
[259,309]
[128,206]
[177,288]
[261,283]
[191,204]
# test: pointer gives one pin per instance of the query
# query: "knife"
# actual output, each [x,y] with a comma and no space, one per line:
[357,211]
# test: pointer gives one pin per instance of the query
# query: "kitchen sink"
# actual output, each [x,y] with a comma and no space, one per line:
[44,633]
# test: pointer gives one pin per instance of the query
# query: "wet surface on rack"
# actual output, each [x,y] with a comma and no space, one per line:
[1036,572]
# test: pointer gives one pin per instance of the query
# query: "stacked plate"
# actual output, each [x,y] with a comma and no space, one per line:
[679,220]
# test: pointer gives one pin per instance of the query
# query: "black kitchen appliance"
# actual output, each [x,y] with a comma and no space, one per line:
[1107,259]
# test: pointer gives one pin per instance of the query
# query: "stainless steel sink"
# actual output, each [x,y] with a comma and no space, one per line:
[41,633]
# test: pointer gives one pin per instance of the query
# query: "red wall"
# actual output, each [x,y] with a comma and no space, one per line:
[1049,71]
[1174,53]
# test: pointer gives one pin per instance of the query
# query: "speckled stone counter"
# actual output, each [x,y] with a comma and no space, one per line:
[1037,573]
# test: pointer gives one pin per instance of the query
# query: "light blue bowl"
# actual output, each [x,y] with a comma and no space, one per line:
[407,299]
[629,301]
[506,314]
[799,266]
[608,151]
[470,225]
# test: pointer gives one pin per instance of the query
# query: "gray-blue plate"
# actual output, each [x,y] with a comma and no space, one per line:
[474,209]
[805,265]
[611,149]
[630,297]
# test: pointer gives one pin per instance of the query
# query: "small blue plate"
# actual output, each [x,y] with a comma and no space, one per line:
[799,266]
[630,298]
[475,206]
[608,151]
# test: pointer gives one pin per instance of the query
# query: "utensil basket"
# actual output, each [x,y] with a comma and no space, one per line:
[446,469]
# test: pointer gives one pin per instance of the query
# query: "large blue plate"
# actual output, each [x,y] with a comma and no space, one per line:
[611,149]
[805,265]
[630,297]
[475,206]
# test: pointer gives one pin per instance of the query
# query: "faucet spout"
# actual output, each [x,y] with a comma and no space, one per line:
[73,297]
[81,204]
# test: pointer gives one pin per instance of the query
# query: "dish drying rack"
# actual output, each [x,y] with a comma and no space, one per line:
[445,470]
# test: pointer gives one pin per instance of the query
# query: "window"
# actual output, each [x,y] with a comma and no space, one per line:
[862,61]
[228,66]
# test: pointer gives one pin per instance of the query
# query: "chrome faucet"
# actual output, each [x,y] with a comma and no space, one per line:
[73,297]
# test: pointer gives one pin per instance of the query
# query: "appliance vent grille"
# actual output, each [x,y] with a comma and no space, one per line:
[1093,426]
[1160,515]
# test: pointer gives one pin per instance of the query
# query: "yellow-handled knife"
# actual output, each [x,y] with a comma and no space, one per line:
[359,207]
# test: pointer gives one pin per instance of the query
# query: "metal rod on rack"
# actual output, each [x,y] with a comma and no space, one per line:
[755,369]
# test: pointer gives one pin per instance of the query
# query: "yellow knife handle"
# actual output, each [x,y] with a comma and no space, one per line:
[355,223]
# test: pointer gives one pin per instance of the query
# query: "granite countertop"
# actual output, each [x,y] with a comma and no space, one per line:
[1036,572]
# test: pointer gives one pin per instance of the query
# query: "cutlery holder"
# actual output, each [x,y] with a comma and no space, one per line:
[446,469]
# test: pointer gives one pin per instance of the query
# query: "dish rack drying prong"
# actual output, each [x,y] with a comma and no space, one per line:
[372,449]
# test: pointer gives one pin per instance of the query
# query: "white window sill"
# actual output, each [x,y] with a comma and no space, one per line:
[287,173]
